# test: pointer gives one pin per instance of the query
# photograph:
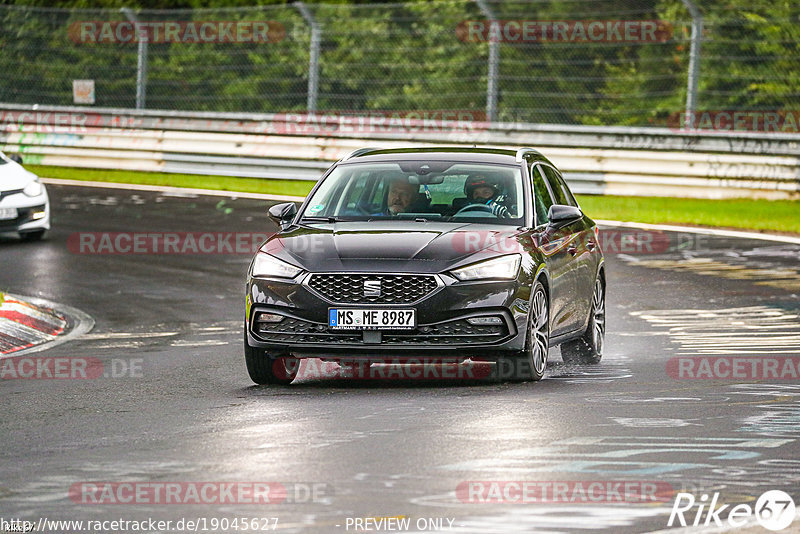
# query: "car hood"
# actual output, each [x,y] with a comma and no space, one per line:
[13,176]
[391,246]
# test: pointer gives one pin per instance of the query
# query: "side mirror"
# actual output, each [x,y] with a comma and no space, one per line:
[283,214]
[560,215]
[16,157]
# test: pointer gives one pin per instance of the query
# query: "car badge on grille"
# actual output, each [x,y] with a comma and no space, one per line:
[372,288]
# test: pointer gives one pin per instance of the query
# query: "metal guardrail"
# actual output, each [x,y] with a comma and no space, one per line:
[596,160]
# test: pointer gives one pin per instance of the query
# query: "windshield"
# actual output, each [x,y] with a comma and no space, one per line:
[433,190]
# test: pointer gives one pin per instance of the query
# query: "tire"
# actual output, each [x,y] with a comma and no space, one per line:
[531,362]
[30,237]
[588,349]
[264,369]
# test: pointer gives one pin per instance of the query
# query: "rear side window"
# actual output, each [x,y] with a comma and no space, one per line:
[541,196]
[558,186]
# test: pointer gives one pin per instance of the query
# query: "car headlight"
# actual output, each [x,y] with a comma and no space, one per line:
[504,267]
[270,266]
[33,189]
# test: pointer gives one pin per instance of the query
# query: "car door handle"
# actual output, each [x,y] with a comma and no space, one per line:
[591,245]
[572,249]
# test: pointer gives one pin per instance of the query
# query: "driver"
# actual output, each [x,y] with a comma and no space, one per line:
[402,195]
[481,190]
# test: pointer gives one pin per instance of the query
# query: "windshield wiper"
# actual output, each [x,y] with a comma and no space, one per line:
[319,219]
[397,218]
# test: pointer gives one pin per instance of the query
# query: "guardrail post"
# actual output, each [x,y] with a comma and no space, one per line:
[494,60]
[313,56]
[694,63]
[141,67]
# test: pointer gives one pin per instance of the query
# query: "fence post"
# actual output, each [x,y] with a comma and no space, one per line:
[694,63]
[141,67]
[494,60]
[313,57]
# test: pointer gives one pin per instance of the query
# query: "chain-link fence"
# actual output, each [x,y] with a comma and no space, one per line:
[597,62]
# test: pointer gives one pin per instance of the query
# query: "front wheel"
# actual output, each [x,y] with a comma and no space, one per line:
[588,349]
[531,363]
[264,369]
[30,237]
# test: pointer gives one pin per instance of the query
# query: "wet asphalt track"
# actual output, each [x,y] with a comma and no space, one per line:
[398,448]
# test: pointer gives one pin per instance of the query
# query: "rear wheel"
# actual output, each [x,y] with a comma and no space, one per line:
[264,369]
[588,349]
[531,362]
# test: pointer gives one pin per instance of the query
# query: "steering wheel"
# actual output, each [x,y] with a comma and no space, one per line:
[363,210]
[475,207]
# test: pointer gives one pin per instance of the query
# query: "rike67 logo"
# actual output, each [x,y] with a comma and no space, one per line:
[774,510]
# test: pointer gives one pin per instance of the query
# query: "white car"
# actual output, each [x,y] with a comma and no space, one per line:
[24,205]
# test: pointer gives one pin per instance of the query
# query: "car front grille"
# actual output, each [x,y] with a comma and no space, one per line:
[446,333]
[346,288]
[292,330]
[456,332]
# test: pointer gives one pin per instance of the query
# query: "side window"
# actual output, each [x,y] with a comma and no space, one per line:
[559,187]
[541,196]
[377,193]
[449,190]
[356,190]
[567,192]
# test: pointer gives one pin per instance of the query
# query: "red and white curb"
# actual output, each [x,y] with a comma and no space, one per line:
[29,324]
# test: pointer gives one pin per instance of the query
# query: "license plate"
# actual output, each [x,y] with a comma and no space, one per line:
[8,213]
[372,319]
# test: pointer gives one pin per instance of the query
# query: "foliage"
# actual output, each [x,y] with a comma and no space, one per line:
[408,56]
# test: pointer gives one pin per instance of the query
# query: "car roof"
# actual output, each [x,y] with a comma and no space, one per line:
[466,154]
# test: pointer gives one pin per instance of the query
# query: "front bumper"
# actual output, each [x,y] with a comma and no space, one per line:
[29,211]
[442,331]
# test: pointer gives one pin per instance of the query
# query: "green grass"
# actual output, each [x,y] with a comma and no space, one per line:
[762,215]
[225,183]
